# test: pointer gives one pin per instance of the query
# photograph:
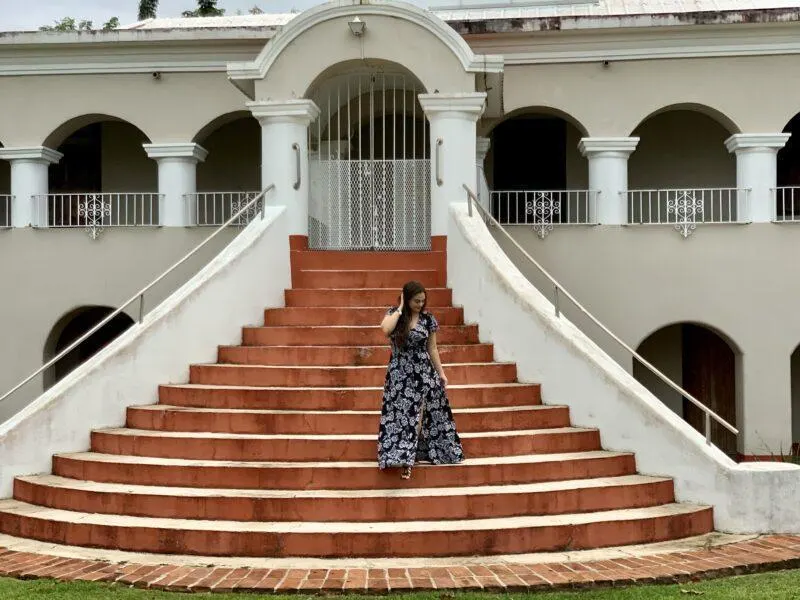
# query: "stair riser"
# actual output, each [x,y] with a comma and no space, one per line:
[438,297]
[329,424]
[301,450]
[344,336]
[307,478]
[340,356]
[379,544]
[293,317]
[366,279]
[343,377]
[363,509]
[328,399]
[320,259]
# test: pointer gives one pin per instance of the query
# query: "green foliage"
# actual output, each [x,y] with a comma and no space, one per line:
[147,9]
[205,8]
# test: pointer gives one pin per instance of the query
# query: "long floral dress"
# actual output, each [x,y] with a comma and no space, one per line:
[414,391]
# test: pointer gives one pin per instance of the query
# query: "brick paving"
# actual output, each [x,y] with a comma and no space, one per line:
[754,555]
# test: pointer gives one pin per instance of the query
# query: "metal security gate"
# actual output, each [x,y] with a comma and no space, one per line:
[369,165]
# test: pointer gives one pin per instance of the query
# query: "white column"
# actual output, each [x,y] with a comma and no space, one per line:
[608,174]
[284,151]
[481,150]
[29,169]
[756,170]
[452,120]
[177,177]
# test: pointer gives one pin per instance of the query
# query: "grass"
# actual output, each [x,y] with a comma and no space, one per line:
[782,585]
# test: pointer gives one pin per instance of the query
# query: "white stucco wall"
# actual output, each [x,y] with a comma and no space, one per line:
[233,287]
[573,370]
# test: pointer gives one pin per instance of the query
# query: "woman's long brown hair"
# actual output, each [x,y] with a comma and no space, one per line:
[401,330]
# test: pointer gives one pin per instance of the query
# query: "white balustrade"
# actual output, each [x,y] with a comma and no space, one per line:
[207,209]
[684,209]
[787,204]
[544,209]
[5,210]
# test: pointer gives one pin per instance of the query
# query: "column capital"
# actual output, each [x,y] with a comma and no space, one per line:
[618,145]
[302,111]
[468,105]
[482,145]
[40,153]
[757,141]
[189,151]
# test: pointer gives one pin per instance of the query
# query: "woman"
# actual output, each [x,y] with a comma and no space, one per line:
[416,421]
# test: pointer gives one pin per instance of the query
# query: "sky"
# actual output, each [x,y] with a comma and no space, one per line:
[27,15]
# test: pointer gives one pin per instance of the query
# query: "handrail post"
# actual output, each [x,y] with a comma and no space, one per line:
[299,179]
[469,204]
[141,308]
[708,427]
[555,300]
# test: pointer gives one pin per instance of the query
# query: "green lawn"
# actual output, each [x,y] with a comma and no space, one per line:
[783,585]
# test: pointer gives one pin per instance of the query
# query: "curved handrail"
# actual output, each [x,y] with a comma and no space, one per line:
[559,289]
[140,294]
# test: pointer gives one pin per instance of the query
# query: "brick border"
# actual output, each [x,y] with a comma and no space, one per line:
[756,555]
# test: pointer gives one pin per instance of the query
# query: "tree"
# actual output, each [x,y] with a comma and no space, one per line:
[70,24]
[256,10]
[205,8]
[147,9]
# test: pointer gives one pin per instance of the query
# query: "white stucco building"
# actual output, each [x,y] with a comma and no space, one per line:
[645,152]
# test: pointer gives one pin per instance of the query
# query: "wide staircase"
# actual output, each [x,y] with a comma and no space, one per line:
[271,452]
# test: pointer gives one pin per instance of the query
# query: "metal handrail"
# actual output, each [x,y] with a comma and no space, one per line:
[139,295]
[558,289]
[439,180]
[298,166]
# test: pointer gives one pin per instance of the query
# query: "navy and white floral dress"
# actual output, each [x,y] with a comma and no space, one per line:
[414,391]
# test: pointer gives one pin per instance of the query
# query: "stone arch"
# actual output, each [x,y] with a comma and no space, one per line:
[233,142]
[705,362]
[5,192]
[71,126]
[438,55]
[709,111]
[539,109]
[795,401]
[72,326]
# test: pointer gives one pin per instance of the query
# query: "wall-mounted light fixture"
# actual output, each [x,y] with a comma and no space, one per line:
[357,27]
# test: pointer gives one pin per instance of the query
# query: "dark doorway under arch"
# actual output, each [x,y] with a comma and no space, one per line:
[704,364]
[72,326]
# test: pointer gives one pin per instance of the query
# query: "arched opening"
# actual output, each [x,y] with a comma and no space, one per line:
[704,364]
[682,171]
[5,193]
[788,193]
[232,172]
[105,175]
[535,170]
[369,160]
[795,374]
[72,326]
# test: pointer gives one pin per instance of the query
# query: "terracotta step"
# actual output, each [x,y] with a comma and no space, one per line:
[481,502]
[294,376]
[309,316]
[386,278]
[338,259]
[171,418]
[378,297]
[339,356]
[364,398]
[396,538]
[502,470]
[304,448]
[344,336]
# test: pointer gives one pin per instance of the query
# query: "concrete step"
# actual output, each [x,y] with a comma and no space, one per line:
[366,278]
[507,535]
[317,376]
[304,448]
[410,504]
[357,315]
[494,470]
[375,297]
[345,336]
[338,398]
[336,259]
[340,356]
[161,417]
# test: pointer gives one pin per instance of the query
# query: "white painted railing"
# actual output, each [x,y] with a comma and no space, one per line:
[559,294]
[97,211]
[684,209]
[5,210]
[211,209]
[544,208]
[787,204]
